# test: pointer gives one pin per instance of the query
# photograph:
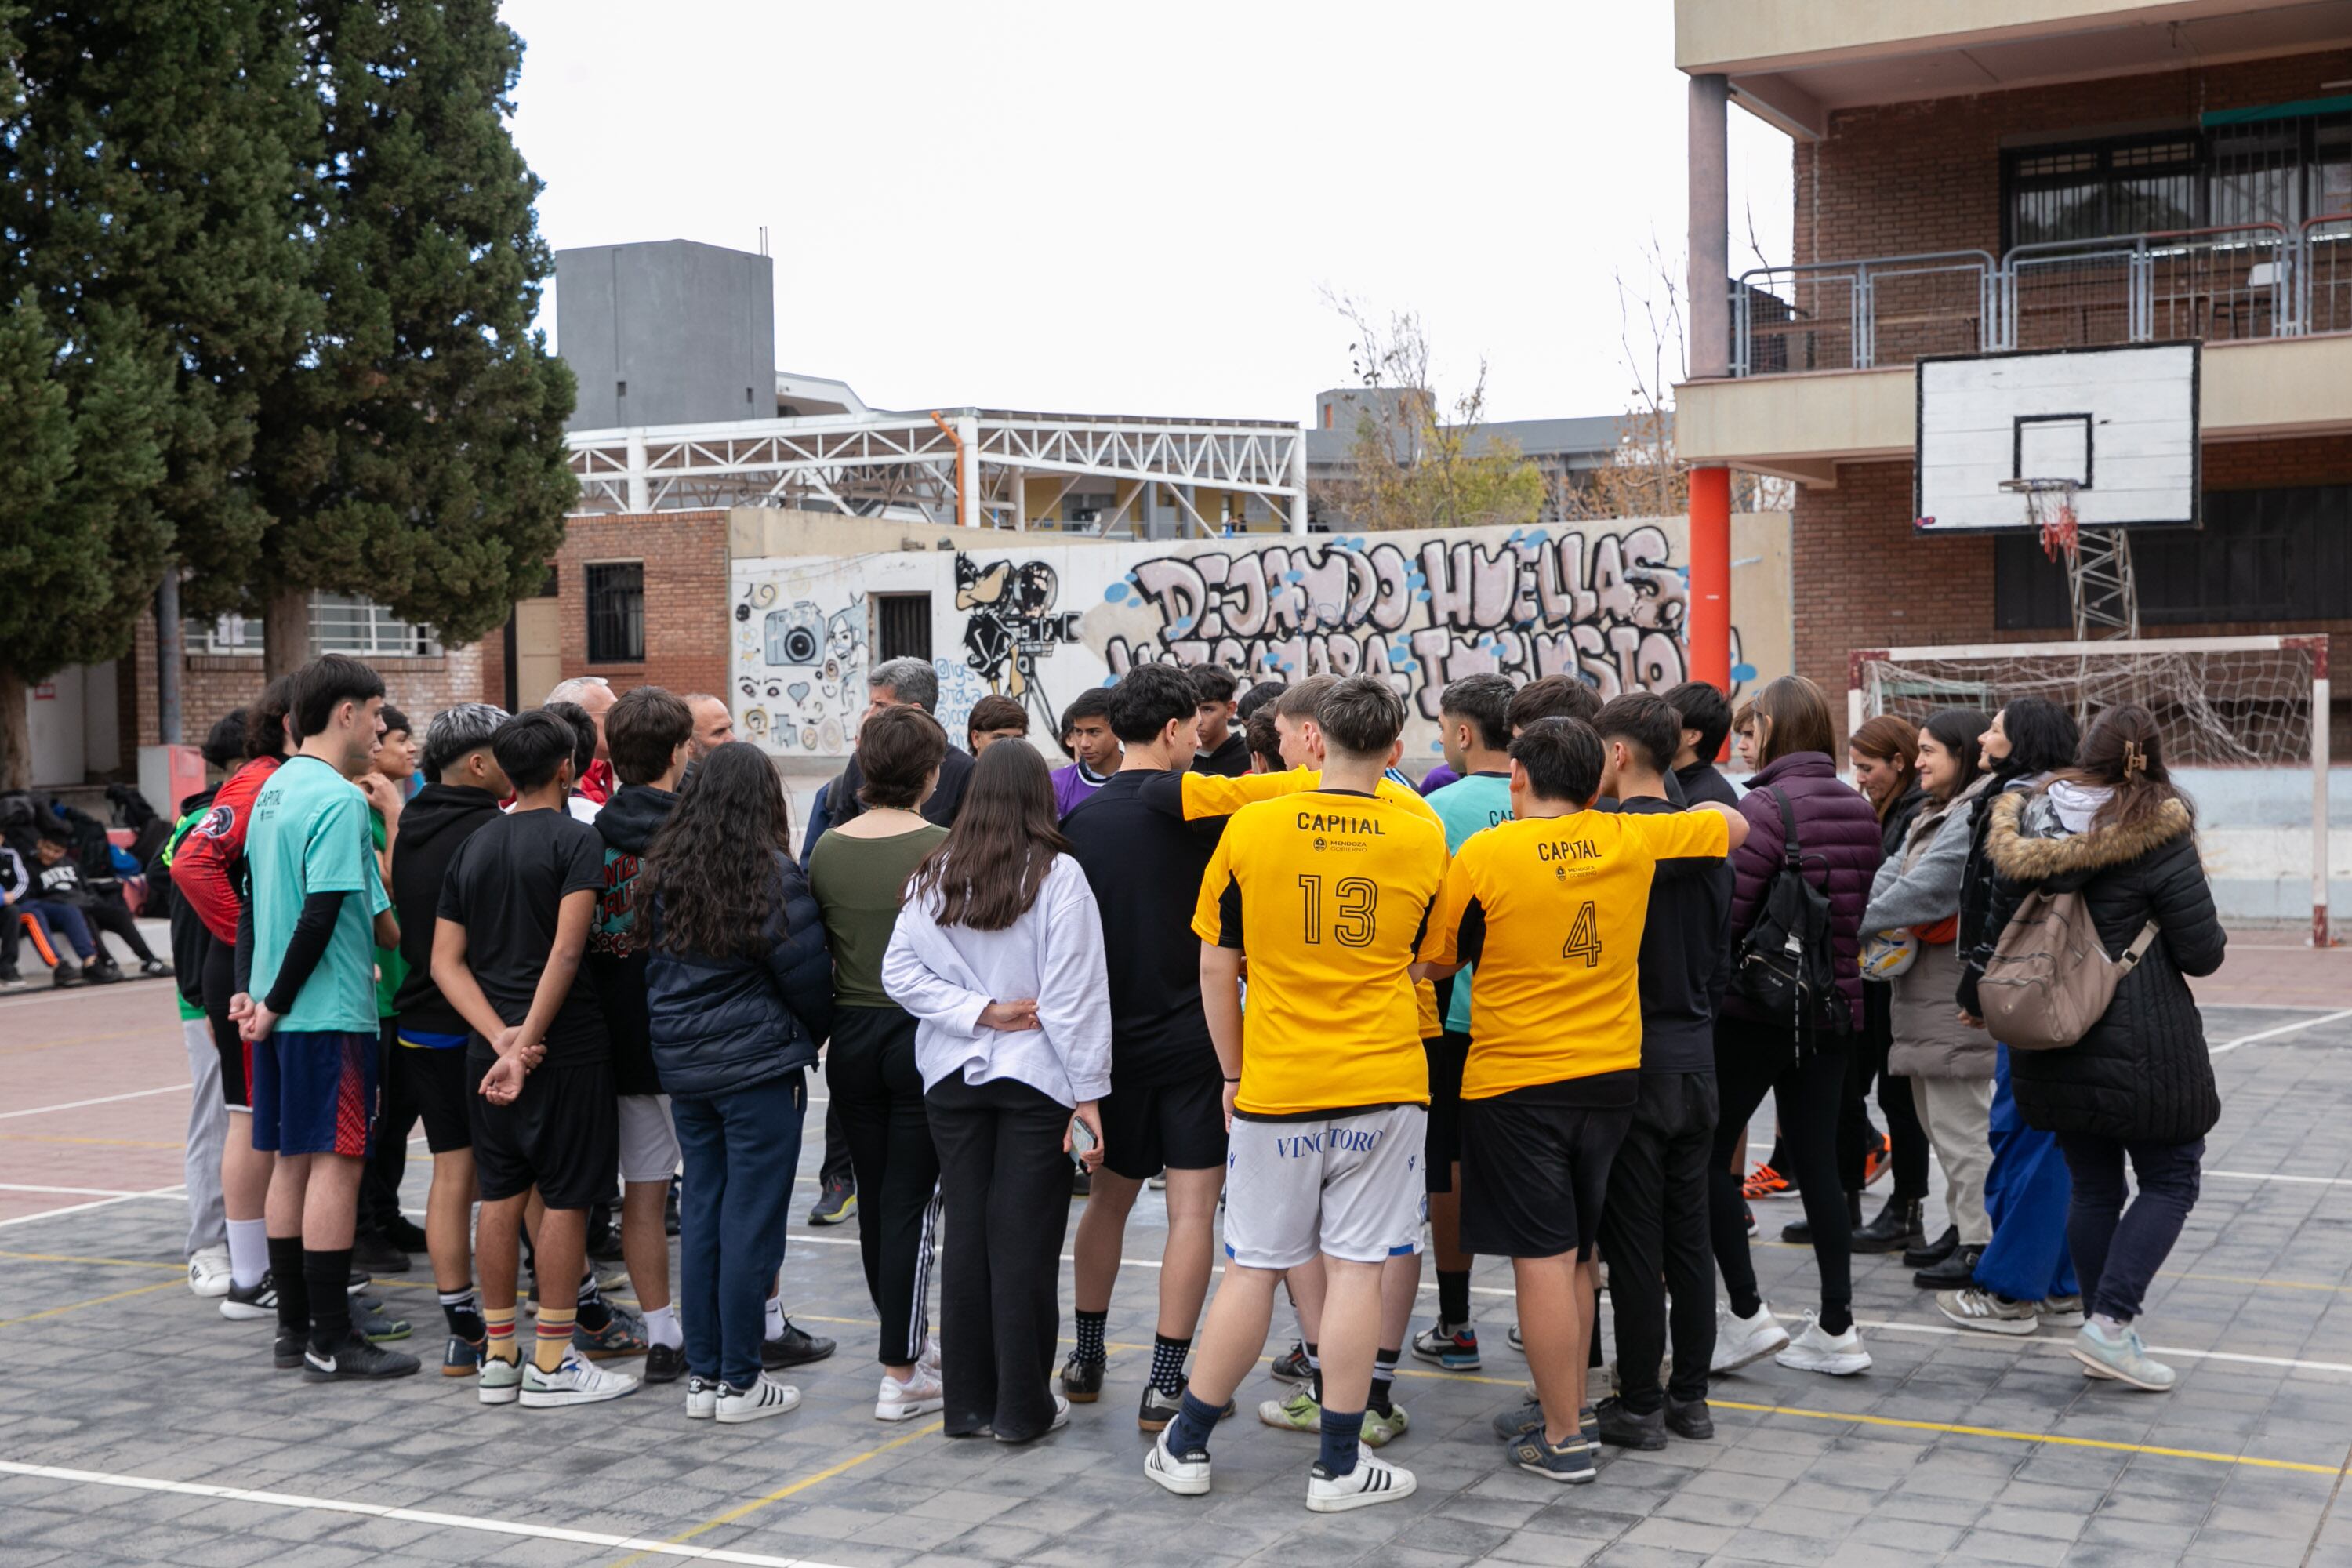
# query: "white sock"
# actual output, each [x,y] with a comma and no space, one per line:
[775,1317]
[661,1327]
[2114,1328]
[248,1252]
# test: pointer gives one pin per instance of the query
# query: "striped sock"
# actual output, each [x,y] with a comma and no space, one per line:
[554,1338]
[1384,1367]
[498,1335]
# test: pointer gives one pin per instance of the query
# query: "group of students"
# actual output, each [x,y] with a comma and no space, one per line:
[1229,949]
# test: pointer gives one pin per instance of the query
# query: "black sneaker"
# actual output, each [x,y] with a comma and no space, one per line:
[461,1357]
[793,1347]
[1934,1252]
[1081,1380]
[1690,1418]
[154,969]
[376,1326]
[669,1209]
[836,1203]
[66,975]
[663,1363]
[607,1247]
[377,1255]
[356,1358]
[101,971]
[250,1303]
[286,1351]
[1620,1427]
[1159,1407]
[404,1234]
[1291,1366]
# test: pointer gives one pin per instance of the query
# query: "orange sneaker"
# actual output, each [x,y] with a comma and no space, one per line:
[1764,1181]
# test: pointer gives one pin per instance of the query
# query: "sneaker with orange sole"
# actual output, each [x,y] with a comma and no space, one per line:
[1764,1181]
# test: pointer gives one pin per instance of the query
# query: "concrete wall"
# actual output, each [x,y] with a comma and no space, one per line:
[690,329]
[1710,35]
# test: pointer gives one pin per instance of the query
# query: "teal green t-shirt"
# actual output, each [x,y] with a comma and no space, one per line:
[310,835]
[1469,804]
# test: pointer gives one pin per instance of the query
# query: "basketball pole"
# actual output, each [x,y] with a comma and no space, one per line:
[1709,622]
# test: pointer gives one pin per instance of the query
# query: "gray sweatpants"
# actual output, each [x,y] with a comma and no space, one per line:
[207,1134]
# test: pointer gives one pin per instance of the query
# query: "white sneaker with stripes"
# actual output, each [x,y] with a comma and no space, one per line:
[764,1398]
[1372,1480]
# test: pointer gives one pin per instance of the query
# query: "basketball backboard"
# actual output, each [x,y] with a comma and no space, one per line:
[2120,423]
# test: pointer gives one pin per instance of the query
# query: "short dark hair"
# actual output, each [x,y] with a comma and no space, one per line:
[1646,719]
[223,745]
[394,719]
[1485,701]
[1213,683]
[456,731]
[1301,700]
[584,737]
[1563,760]
[1703,707]
[1264,740]
[1554,697]
[1255,698]
[1360,716]
[314,691]
[1094,702]
[265,721]
[993,713]
[642,730]
[532,746]
[896,750]
[1147,698]
[51,832]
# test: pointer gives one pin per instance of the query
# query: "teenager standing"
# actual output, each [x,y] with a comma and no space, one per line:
[998,954]
[1884,753]
[740,993]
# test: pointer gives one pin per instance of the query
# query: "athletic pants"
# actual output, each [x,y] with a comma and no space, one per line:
[2027,1196]
[207,1135]
[877,1097]
[1957,1114]
[396,1117]
[1654,1231]
[1753,1059]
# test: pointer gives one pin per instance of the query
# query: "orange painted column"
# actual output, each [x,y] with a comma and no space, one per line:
[1707,630]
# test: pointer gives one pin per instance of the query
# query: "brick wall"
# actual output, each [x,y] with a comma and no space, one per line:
[1908,177]
[685,557]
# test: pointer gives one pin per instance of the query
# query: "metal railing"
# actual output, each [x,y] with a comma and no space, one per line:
[2214,285]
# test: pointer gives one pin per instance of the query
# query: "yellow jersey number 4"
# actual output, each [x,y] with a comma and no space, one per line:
[1356,915]
[1584,937]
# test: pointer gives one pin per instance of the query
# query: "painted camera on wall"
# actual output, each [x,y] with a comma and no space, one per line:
[795,635]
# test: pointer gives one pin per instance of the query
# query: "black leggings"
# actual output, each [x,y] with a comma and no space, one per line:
[877,1093]
[1750,1060]
[1906,1138]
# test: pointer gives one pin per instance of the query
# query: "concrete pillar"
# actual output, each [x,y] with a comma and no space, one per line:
[1710,229]
[968,470]
[641,489]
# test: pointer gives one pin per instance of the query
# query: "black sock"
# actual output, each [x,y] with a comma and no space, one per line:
[1384,1367]
[595,1313]
[1835,1319]
[1747,1305]
[464,1310]
[329,1276]
[293,1292]
[1453,1298]
[1167,1360]
[1091,1334]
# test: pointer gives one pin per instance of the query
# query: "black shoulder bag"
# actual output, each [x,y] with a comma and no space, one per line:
[1787,963]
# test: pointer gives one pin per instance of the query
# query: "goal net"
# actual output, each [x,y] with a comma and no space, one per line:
[2219,703]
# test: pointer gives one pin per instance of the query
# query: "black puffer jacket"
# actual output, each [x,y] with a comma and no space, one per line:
[2143,1071]
[719,1025]
[1974,943]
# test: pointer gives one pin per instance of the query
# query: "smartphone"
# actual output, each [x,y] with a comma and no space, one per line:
[1082,1137]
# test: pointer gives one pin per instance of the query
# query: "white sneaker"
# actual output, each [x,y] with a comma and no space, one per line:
[208,1273]
[764,1398]
[701,1398]
[919,1395]
[929,1360]
[1061,1419]
[1839,1355]
[1372,1480]
[499,1382]
[1184,1477]
[1741,1341]
[578,1381]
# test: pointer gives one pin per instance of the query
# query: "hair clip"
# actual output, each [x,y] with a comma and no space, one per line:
[2135,758]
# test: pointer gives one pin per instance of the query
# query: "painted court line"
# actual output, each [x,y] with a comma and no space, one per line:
[410,1516]
[1945,1330]
[76,1192]
[101,1100]
[2227,1045]
[176,1193]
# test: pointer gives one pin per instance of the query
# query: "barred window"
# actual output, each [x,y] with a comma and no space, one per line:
[616,613]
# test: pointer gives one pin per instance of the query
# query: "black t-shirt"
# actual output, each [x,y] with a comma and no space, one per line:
[1686,955]
[505,887]
[1145,865]
[1231,760]
[841,802]
[1701,783]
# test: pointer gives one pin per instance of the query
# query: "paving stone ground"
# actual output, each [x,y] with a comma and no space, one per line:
[1954,1448]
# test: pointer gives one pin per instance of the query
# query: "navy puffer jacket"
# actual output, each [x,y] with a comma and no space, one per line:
[723,1023]
[1838,836]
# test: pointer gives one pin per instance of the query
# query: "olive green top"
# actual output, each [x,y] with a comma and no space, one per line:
[857,882]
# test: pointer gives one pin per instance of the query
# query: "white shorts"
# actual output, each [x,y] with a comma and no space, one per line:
[648,1142]
[1351,1188]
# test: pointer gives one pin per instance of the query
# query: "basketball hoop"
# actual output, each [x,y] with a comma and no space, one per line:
[2050,507]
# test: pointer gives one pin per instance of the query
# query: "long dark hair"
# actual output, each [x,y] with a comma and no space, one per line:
[2042,737]
[988,869]
[708,866]
[2123,753]
[1956,730]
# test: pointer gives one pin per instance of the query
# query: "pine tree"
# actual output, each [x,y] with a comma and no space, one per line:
[417,456]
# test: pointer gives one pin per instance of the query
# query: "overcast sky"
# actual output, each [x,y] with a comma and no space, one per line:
[1138,208]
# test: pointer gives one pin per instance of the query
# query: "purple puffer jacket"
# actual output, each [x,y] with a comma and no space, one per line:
[1838,834]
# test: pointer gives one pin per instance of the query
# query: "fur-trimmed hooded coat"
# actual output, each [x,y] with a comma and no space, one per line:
[2143,1072]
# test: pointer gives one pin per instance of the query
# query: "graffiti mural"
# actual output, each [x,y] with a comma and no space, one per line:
[800,666]
[1010,624]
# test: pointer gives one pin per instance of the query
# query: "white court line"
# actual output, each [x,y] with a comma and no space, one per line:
[101,1100]
[78,1191]
[1945,1330]
[2228,1045]
[408,1516]
[2259,1176]
[176,1193]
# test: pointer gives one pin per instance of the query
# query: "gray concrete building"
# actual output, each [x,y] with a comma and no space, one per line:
[666,333]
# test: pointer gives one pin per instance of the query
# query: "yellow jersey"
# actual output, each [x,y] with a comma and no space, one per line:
[1328,893]
[1552,910]
[1206,794]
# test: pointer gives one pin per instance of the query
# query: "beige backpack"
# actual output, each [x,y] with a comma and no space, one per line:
[2049,978]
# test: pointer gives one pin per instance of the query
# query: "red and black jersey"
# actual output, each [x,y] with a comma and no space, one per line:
[205,868]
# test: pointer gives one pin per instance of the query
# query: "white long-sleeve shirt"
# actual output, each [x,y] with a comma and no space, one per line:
[944,976]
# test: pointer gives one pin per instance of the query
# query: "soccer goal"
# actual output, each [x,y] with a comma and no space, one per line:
[2219,703]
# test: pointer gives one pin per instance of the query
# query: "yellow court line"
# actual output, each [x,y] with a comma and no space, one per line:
[78,1306]
[744,1511]
[2033,1437]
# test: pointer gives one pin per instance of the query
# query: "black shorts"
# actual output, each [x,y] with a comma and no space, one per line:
[1534,1172]
[219,985]
[1443,1147]
[433,1084]
[561,1135]
[1158,1127]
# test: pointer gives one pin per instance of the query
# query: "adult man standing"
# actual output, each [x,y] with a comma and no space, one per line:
[714,721]
[594,694]
[904,683]
[318,912]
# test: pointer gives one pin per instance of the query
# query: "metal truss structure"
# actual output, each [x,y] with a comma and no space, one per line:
[980,468]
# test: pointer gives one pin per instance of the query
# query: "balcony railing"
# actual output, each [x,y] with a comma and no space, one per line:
[2217,285]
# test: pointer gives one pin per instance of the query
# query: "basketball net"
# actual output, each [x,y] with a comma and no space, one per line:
[2050,507]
